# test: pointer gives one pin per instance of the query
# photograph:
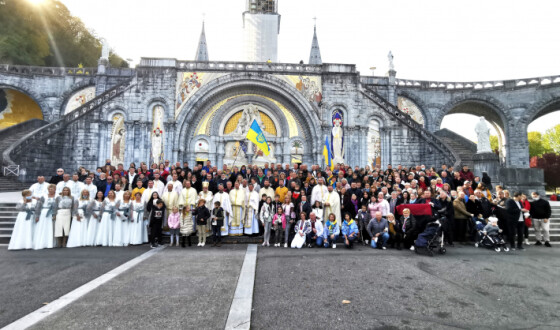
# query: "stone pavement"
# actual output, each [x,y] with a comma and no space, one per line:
[193,288]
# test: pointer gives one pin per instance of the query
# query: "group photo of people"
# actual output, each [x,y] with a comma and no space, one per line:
[290,206]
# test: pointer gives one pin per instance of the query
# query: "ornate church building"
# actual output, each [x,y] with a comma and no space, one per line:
[200,110]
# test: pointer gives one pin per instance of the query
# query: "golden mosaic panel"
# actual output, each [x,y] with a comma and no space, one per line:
[231,124]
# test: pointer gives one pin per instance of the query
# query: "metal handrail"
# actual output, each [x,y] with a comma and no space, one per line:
[11,170]
[405,119]
[48,130]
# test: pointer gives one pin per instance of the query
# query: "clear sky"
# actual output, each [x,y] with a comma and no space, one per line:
[430,39]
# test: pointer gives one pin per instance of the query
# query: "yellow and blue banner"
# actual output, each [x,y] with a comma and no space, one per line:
[256,135]
[327,154]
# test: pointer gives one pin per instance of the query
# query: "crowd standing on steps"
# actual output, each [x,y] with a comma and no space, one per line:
[291,205]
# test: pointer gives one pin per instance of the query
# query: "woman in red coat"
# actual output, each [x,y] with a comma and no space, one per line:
[528,222]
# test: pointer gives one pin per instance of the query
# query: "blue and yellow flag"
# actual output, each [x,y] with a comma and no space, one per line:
[327,154]
[256,136]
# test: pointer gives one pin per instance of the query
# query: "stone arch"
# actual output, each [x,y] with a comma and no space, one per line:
[218,89]
[17,85]
[422,106]
[155,101]
[542,108]
[499,113]
[63,100]
[337,106]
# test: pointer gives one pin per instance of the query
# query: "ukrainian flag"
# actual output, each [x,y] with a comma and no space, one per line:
[256,135]
[327,154]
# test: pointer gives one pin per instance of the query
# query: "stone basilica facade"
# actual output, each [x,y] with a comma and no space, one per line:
[198,110]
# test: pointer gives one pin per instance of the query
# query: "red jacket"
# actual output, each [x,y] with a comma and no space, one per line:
[468,175]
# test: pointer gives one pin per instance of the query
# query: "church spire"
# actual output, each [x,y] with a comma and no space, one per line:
[315,55]
[202,50]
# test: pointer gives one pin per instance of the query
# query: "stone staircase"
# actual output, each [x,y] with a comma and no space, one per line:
[10,183]
[8,216]
[463,147]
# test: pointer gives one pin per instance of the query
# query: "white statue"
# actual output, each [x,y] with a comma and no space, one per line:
[390,57]
[104,49]
[483,136]
[250,113]
[337,134]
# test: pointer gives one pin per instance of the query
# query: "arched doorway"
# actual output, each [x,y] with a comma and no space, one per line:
[460,121]
[17,107]
[290,122]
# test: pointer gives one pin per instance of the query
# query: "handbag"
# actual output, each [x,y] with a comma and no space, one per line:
[528,222]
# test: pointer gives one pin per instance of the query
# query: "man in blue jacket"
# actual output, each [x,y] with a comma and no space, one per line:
[378,229]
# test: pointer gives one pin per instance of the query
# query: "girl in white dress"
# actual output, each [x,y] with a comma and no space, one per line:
[22,235]
[95,218]
[43,237]
[65,207]
[121,236]
[109,215]
[79,228]
[137,226]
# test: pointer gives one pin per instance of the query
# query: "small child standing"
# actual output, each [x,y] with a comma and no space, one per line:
[156,222]
[187,227]
[174,223]
[217,223]
[279,221]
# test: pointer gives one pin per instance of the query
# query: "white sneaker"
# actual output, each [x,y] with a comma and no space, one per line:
[366,241]
[199,244]
[526,241]
[203,244]
[285,245]
[267,244]
[264,244]
[334,246]
[384,248]
[412,248]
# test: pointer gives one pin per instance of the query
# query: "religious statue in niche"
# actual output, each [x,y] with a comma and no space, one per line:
[118,139]
[483,137]
[250,113]
[157,136]
[337,137]
[374,143]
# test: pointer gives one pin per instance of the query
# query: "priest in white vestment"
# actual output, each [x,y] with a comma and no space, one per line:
[189,200]
[223,198]
[39,189]
[251,225]
[237,200]
[319,192]
[331,204]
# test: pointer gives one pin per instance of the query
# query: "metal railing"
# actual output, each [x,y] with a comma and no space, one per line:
[25,143]
[448,153]
[11,170]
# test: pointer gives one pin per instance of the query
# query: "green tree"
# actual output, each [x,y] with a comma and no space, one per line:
[537,145]
[552,139]
[494,143]
[47,34]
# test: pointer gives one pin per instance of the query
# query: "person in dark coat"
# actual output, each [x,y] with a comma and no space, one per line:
[55,179]
[217,219]
[202,216]
[516,220]
[409,229]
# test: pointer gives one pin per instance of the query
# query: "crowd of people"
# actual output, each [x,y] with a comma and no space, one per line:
[292,205]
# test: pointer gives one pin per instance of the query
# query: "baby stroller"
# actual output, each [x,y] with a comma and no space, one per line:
[491,241]
[431,239]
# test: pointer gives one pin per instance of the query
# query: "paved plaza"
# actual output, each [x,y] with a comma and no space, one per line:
[193,288]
